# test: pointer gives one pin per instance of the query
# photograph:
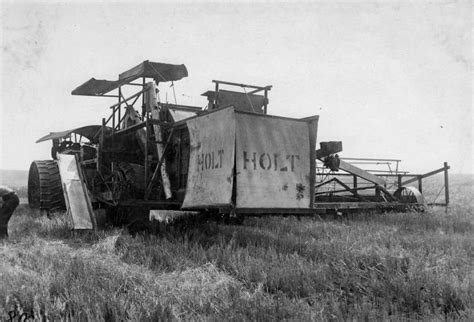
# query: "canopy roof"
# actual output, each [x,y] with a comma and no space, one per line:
[159,71]
[90,132]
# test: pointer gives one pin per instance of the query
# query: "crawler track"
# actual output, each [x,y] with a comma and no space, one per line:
[44,186]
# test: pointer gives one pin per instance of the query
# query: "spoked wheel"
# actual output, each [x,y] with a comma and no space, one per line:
[412,197]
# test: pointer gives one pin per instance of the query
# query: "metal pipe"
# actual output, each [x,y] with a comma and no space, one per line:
[336,191]
[385,171]
[119,109]
[242,85]
[385,175]
[370,162]
[143,97]
[371,159]
[101,146]
[113,120]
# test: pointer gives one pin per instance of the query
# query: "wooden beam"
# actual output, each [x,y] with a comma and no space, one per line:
[129,98]
[216,97]
[158,166]
[426,175]
[446,184]
[361,173]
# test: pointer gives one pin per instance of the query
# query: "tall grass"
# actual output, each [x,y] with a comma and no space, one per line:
[368,266]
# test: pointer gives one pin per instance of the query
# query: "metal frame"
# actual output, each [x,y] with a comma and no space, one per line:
[116,118]
[403,178]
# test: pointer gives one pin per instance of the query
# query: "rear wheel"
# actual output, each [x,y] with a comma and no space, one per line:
[44,186]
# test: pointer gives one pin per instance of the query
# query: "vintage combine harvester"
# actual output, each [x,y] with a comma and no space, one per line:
[229,158]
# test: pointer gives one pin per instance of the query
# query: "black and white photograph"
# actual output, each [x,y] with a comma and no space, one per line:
[236,160]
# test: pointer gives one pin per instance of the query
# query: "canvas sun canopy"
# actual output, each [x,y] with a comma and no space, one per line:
[250,161]
[159,71]
[91,132]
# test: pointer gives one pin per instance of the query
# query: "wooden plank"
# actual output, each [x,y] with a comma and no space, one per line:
[360,173]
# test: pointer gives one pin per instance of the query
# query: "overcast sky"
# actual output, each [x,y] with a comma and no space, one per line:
[390,79]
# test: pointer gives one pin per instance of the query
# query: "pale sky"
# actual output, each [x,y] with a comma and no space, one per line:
[390,79]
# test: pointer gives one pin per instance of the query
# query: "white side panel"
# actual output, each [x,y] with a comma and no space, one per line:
[272,162]
[211,162]
[75,194]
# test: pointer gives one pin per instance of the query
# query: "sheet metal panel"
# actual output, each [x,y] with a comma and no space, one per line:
[211,163]
[273,162]
[77,200]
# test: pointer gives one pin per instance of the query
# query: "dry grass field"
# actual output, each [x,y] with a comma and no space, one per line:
[393,266]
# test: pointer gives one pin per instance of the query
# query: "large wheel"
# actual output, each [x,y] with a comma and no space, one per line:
[45,191]
[412,197]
